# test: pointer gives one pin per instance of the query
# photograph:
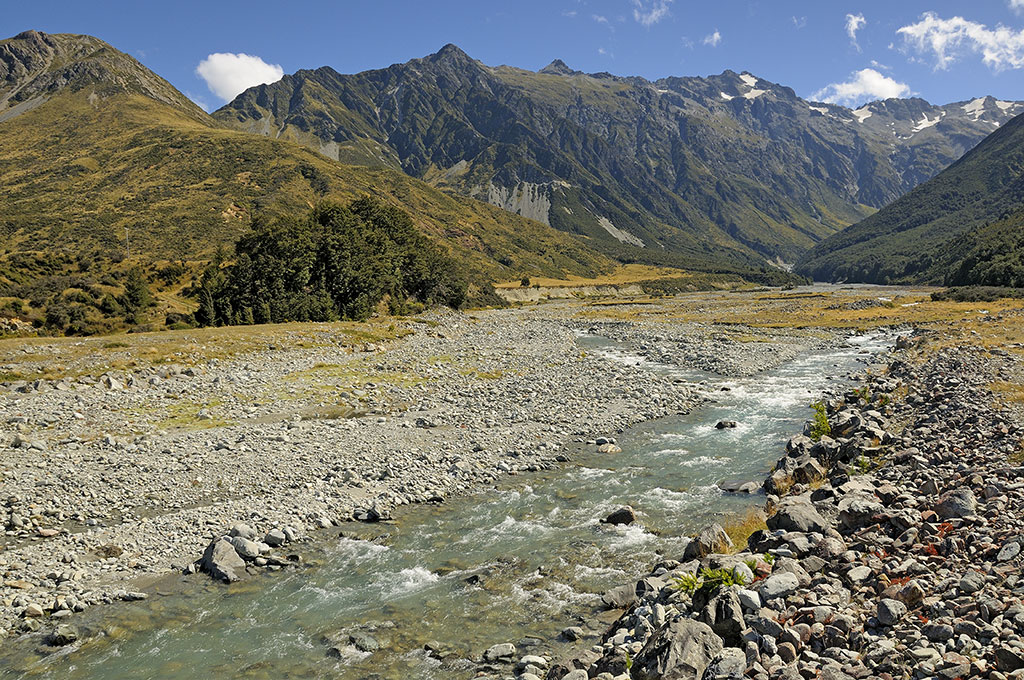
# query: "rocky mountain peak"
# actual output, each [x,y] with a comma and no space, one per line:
[35,66]
[450,53]
[558,68]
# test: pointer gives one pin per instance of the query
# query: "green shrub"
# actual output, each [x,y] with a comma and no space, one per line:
[819,425]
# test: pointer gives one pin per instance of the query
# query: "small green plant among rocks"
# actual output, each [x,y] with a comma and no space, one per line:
[706,579]
[819,425]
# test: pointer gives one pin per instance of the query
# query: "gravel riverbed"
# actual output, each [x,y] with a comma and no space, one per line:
[110,479]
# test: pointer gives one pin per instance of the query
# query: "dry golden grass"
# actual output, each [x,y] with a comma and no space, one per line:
[802,310]
[621,275]
[54,358]
[740,527]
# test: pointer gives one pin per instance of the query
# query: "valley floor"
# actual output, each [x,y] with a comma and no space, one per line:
[124,456]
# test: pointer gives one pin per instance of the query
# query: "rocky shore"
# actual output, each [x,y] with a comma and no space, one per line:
[893,548]
[110,479]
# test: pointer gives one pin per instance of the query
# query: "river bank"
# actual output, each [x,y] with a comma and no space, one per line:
[893,542]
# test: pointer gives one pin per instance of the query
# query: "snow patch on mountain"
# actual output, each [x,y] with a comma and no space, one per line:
[926,122]
[975,107]
[862,114]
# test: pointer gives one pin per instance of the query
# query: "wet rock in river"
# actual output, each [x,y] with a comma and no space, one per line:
[63,635]
[725,425]
[500,652]
[624,515]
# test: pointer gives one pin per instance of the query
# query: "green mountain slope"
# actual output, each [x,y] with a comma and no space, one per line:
[969,213]
[99,157]
[689,165]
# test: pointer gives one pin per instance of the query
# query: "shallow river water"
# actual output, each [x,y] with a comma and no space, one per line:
[516,564]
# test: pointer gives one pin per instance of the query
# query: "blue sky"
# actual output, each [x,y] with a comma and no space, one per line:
[847,52]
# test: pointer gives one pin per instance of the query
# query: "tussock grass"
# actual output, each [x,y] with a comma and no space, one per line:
[740,527]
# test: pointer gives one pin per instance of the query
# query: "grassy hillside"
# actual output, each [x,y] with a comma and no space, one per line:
[925,236]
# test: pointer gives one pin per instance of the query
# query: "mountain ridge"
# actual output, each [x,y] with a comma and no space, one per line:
[967,213]
[682,163]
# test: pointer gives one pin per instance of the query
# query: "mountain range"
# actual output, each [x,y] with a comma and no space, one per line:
[101,158]
[964,226]
[103,164]
[687,164]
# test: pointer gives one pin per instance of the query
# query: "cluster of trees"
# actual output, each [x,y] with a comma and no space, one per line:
[79,305]
[338,262]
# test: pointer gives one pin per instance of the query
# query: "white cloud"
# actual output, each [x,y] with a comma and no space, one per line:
[599,19]
[571,13]
[854,22]
[1017,5]
[864,85]
[949,39]
[800,22]
[713,39]
[651,13]
[228,75]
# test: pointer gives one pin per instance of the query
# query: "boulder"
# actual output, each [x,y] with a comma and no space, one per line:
[243,530]
[778,585]
[275,538]
[808,472]
[222,562]
[711,539]
[890,611]
[246,549]
[797,514]
[63,635]
[956,503]
[724,614]
[624,515]
[857,511]
[728,664]
[682,649]
[620,597]
[725,424]
[503,651]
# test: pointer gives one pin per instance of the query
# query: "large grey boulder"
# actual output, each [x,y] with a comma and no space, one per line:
[778,585]
[222,562]
[620,597]
[856,511]
[711,539]
[797,514]
[956,503]
[724,613]
[246,549]
[682,649]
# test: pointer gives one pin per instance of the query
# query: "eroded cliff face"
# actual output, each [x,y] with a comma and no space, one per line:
[527,199]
